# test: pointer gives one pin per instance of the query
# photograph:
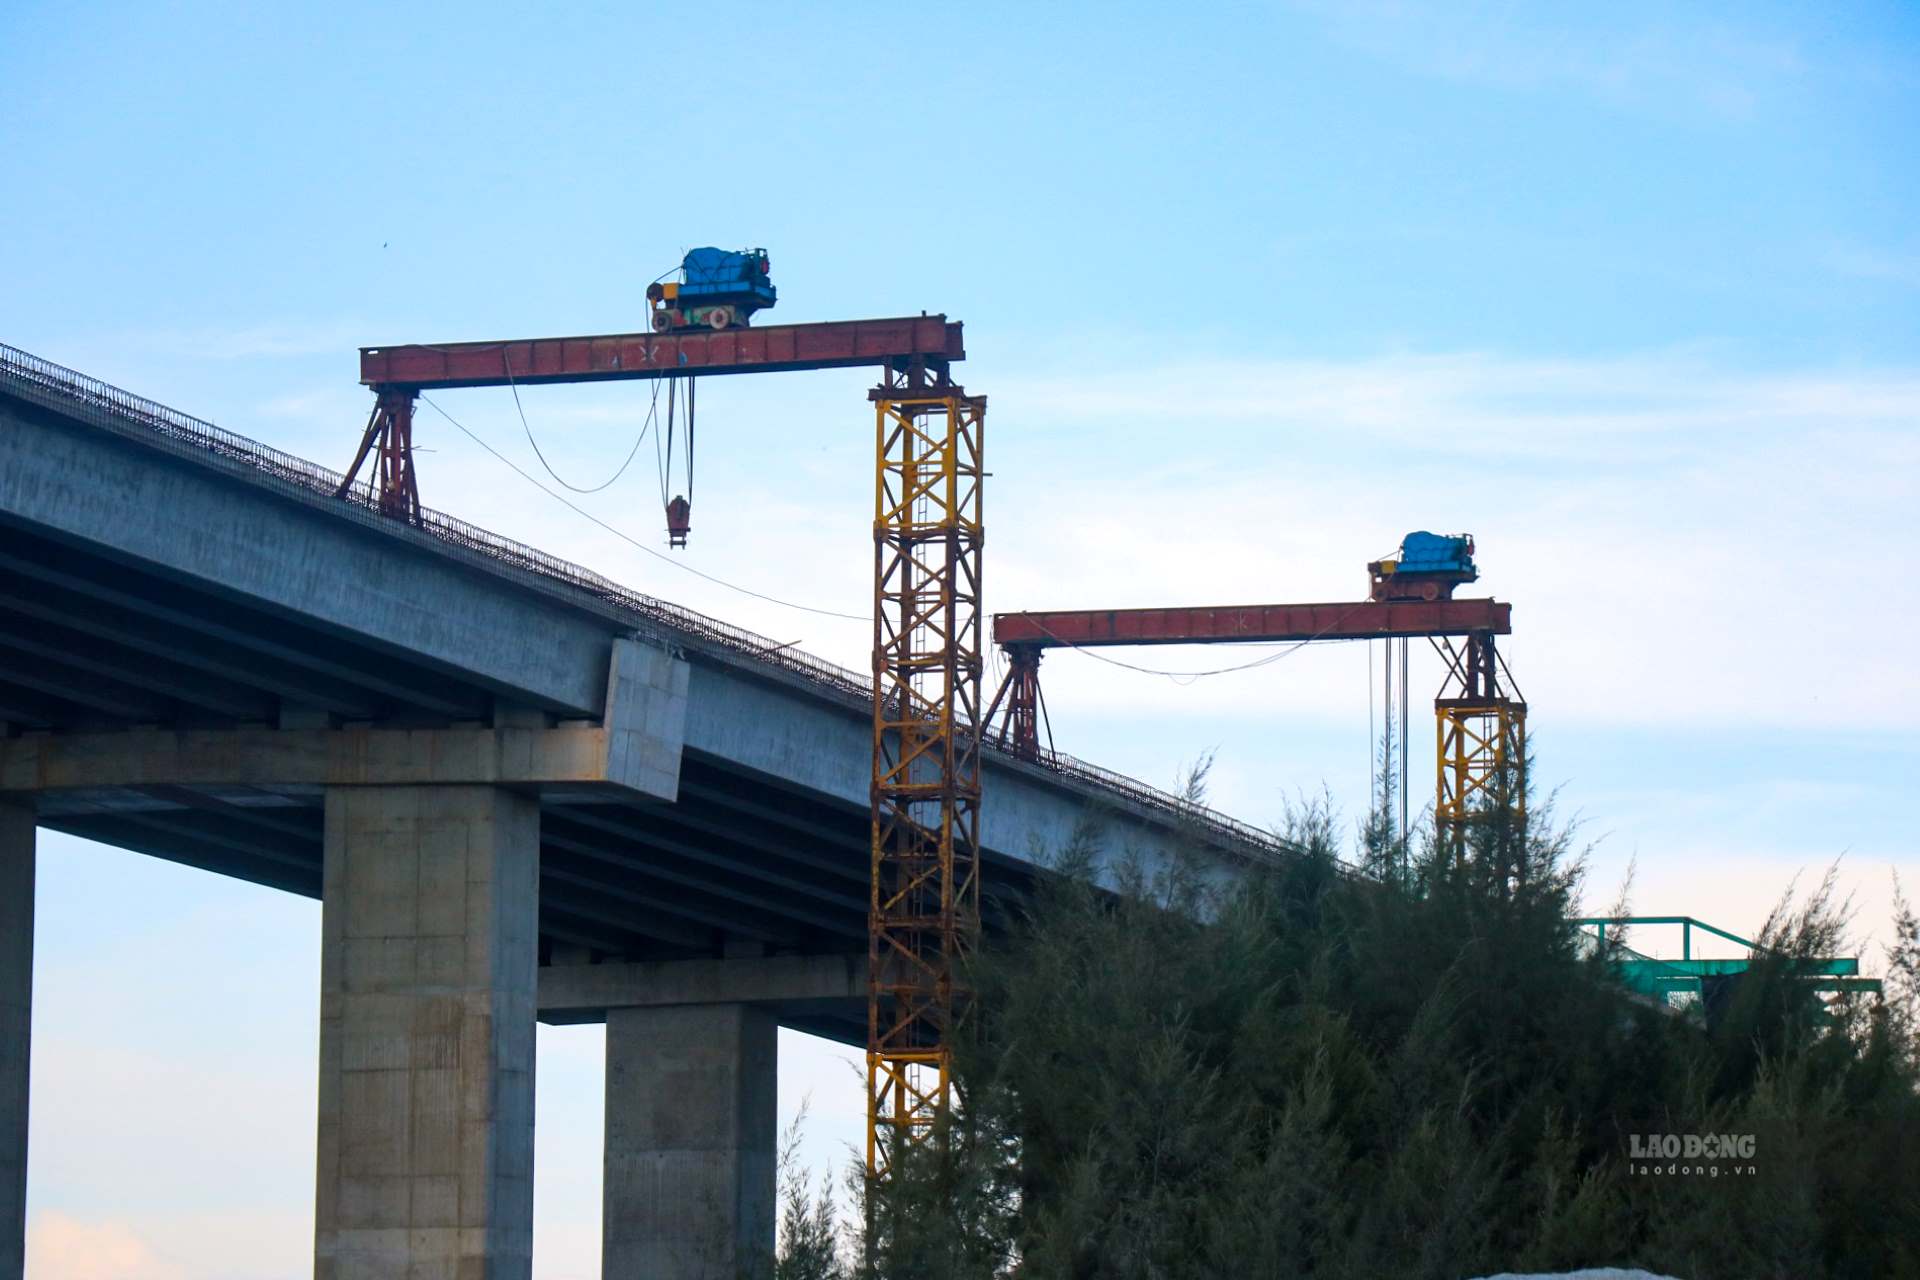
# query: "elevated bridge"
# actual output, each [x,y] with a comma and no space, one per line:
[520,791]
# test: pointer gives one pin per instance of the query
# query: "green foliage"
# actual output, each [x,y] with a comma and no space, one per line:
[809,1231]
[1307,1071]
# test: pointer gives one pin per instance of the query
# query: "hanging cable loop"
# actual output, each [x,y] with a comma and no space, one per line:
[506,366]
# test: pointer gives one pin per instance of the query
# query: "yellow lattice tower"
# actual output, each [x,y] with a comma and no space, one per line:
[925,907]
[1481,739]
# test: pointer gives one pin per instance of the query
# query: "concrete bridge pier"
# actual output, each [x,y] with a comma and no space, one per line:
[16,1018]
[691,1126]
[428,960]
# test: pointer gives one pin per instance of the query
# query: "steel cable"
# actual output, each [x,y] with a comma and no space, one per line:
[558,479]
[628,538]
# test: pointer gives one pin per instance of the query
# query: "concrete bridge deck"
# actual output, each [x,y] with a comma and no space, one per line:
[207,657]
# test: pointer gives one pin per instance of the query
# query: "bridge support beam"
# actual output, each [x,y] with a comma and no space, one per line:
[16,1020]
[691,1125]
[429,950]
[586,992]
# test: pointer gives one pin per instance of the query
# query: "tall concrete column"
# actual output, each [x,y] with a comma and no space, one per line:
[16,1028]
[429,952]
[691,1127]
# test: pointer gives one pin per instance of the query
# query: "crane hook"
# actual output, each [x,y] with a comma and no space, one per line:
[679,521]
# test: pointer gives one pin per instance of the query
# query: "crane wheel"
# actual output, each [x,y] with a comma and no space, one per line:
[720,317]
[662,321]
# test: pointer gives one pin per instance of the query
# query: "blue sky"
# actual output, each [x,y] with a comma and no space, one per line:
[1632,293]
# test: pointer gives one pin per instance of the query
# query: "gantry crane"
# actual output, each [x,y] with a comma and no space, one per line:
[925,798]
[1480,719]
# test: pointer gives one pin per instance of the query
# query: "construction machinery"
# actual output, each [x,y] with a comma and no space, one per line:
[927,535]
[1706,981]
[717,289]
[1481,722]
[1428,567]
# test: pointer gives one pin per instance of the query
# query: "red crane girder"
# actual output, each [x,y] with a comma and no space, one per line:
[1357,620]
[832,345]
[1025,636]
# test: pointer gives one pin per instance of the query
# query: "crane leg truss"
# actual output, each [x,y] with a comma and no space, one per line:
[1019,730]
[1481,738]
[925,906]
[389,439]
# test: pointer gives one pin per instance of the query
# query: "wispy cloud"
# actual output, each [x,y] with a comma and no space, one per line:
[1663,60]
[1453,402]
[1675,534]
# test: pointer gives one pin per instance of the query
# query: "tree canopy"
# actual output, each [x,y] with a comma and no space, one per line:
[1405,1065]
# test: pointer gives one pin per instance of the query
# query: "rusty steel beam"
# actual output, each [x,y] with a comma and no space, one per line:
[930,340]
[1361,620]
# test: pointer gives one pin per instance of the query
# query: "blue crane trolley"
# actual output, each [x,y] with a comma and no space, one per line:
[1429,567]
[717,289]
